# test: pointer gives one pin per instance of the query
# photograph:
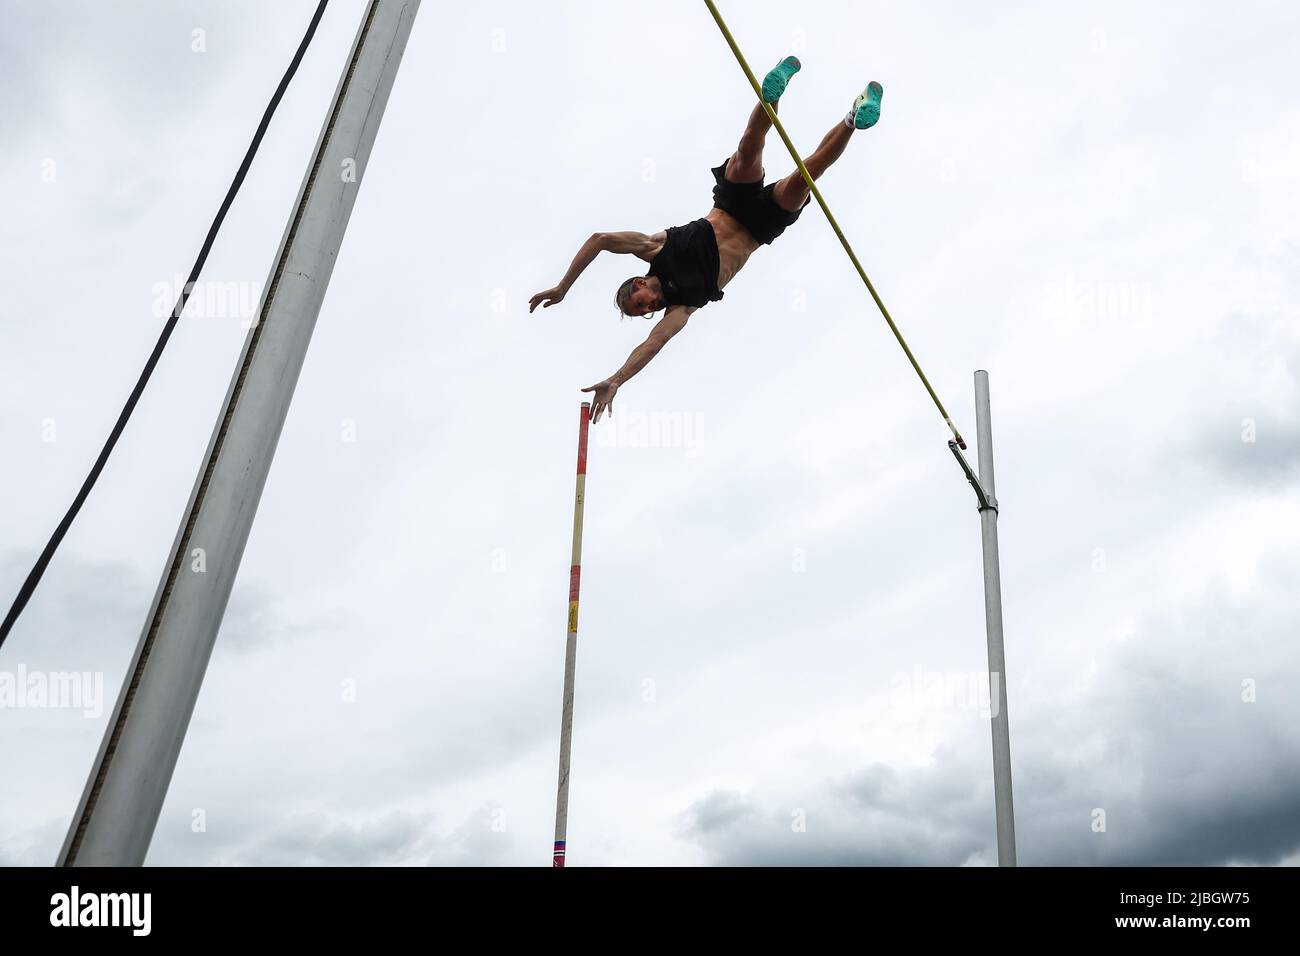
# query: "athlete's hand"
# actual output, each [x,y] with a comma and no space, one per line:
[546,299]
[604,396]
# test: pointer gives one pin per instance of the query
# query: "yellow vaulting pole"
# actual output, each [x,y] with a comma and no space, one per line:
[803,170]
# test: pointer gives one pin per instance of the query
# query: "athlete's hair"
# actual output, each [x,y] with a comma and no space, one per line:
[621,296]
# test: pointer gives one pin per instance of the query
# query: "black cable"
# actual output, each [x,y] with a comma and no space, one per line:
[34,578]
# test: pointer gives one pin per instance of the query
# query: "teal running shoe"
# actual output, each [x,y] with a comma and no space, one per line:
[866,108]
[776,79]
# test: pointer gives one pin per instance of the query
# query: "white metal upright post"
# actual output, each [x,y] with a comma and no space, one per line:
[119,808]
[1006,824]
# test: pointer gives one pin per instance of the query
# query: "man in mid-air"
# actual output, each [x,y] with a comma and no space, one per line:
[690,264]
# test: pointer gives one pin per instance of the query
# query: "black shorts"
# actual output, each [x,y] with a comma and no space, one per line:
[753,205]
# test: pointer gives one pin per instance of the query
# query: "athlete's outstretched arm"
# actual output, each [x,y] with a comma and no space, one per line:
[674,321]
[630,243]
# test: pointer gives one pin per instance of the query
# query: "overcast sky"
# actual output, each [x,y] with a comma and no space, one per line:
[782,642]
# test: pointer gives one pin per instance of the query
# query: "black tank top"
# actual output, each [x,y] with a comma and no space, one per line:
[687,265]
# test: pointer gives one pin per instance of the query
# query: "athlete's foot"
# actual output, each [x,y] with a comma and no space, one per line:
[866,108]
[776,79]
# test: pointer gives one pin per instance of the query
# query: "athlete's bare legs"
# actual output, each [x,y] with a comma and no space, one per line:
[792,192]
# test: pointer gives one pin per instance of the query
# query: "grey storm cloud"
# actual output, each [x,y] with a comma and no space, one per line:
[716,813]
[320,840]
[321,837]
[1255,451]
[1248,440]
[1184,743]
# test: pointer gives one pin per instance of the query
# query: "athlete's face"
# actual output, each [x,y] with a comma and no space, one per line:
[643,299]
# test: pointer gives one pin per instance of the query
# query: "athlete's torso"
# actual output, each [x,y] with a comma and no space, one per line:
[694,261]
[735,244]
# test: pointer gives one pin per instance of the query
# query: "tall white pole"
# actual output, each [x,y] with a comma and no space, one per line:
[1006,824]
[571,644]
[115,819]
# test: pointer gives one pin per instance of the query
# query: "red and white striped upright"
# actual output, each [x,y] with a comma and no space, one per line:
[571,643]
